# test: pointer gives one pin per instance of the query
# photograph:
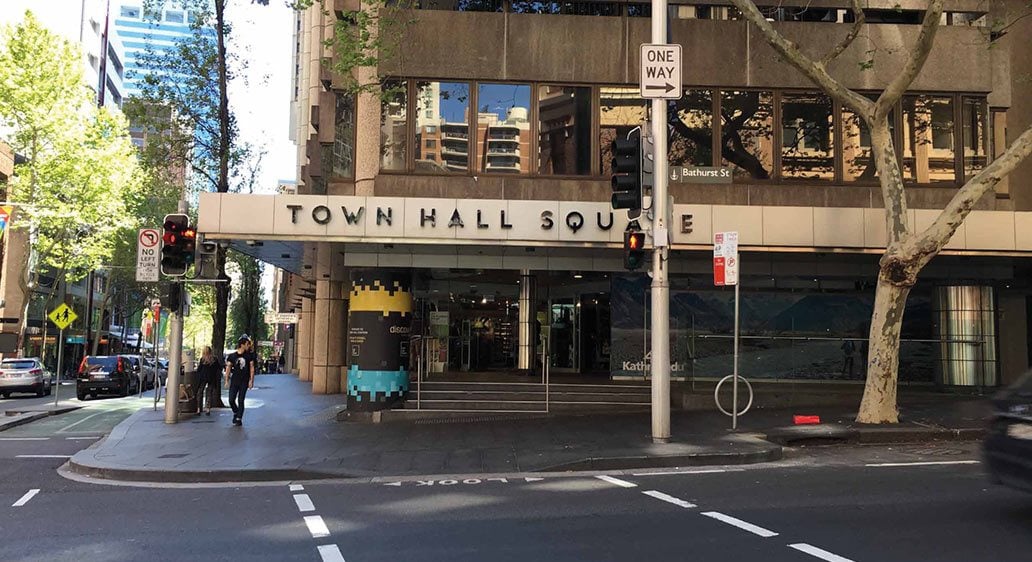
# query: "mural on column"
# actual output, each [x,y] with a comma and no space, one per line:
[379,323]
[787,333]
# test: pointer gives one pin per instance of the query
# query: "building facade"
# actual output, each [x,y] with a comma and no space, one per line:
[502,254]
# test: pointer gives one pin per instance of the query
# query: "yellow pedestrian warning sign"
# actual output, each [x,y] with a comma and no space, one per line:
[62,316]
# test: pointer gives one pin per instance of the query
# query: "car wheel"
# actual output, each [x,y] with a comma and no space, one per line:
[5,394]
[80,395]
[93,395]
[41,392]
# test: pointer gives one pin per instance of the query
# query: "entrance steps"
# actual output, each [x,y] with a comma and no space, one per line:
[525,397]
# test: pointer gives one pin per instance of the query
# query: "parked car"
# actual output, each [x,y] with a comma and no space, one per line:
[145,375]
[1008,446]
[148,365]
[25,375]
[110,374]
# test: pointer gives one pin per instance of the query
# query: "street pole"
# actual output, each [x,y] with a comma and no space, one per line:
[60,366]
[660,280]
[175,348]
[734,386]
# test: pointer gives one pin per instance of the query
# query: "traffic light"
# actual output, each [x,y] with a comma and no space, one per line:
[627,168]
[633,249]
[178,243]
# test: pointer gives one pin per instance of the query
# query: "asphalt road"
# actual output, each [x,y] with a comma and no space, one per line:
[834,504]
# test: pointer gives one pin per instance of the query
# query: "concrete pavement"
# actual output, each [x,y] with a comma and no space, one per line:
[289,433]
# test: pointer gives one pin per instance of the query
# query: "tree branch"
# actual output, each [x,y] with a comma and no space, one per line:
[952,216]
[859,19]
[813,70]
[922,48]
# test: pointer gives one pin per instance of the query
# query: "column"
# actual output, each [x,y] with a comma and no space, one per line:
[525,359]
[966,327]
[379,323]
[304,340]
[328,335]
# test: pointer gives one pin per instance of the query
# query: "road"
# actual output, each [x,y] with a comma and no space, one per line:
[833,504]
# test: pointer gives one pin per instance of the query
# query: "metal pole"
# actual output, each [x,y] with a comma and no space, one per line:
[157,349]
[734,386]
[60,366]
[660,365]
[175,354]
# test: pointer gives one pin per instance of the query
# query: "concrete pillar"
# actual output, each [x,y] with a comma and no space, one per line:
[367,129]
[379,326]
[1013,323]
[525,359]
[304,340]
[328,333]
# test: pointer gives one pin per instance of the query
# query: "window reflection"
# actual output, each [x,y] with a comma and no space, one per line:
[928,152]
[344,137]
[393,125]
[857,150]
[568,8]
[442,127]
[691,130]
[503,128]
[564,130]
[976,137]
[806,139]
[620,111]
[461,5]
[747,133]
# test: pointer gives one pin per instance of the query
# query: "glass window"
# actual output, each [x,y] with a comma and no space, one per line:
[503,128]
[747,133]
[620,111]
[928,154]
[691,130]
[564,144]
[976,136]
[393,125]
[806,137]
[130,12]
[344,137]
[462,5]
[857,151]
[445,107]
[174,17]
[569,8]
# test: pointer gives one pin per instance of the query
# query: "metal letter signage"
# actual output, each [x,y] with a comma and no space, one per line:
[660,71]
[725,258]
[148,258]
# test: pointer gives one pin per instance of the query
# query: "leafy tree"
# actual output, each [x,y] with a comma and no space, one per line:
[909,250]
[80,164]
[247,309]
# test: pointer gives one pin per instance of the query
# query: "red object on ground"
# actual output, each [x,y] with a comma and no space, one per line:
[806,420]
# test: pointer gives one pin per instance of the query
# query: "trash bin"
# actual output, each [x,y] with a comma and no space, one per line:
[188,392]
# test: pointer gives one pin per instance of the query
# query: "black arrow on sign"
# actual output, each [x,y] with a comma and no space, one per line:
[665,88]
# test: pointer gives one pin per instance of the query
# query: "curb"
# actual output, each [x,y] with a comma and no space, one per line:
[198,476]
[767,454]
[834,434]
[7,422]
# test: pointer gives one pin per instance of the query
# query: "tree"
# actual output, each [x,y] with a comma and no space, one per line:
[247,309]
[80,163]
[908,250]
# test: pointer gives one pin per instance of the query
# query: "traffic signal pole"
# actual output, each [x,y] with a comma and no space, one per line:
[660,365]
[175,352]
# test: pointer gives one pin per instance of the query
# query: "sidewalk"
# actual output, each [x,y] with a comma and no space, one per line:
[290,434]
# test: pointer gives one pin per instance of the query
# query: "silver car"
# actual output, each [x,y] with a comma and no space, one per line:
[24,375]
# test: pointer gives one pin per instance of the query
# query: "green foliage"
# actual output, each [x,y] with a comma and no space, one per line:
[248,306]
[368,38]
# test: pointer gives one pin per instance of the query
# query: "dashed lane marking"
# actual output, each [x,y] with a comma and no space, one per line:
[668,498]
[743,525]
[919,463]
[675,472]
[24,438]
[25,499]
[304,503]
[316,526]
[73,424]
[81,438]
[296,487]
[43,456]
[818,552]
[330,553]
[616,481]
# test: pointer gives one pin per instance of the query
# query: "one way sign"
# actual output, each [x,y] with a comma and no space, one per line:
[660,71]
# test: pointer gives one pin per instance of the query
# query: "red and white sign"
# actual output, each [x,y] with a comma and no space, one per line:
[725,258]
[148,255]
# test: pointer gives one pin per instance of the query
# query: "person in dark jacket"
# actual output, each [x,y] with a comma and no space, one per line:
[208,370]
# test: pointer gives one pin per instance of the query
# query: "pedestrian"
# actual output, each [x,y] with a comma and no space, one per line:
[848,352]
[239,377]
[208,369]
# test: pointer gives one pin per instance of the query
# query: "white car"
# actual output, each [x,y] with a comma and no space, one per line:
[25,375]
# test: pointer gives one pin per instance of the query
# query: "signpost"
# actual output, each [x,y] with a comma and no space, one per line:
[725,272]
[660,71]
[156,326]
[148,255]
[62,317]
[281,317]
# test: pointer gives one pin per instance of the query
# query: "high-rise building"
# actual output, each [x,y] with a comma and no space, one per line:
[140,29]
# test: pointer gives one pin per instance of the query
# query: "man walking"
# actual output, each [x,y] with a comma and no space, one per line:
[239,377]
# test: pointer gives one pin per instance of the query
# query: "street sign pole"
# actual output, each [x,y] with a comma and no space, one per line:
[660,365]
[175,350]
[60,367]
[734,386]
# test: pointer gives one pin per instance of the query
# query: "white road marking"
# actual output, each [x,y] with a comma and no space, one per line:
[616,481]
[818,552]
[669,499]
[81,438]
[43,456]
[304,503]
[330,553]
[705,471]
[296,487]
[71,425]
[920,463]
[743,525]
[316,526]
[24,438]
[25,499]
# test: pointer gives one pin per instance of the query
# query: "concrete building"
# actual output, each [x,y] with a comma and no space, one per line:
[404,257]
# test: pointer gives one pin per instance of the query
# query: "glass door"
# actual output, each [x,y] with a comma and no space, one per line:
[564,345]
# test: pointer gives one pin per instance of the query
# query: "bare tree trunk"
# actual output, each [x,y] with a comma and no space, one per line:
[879,402]
[218,329]
[100,322]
